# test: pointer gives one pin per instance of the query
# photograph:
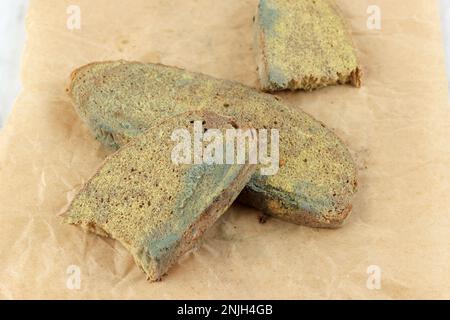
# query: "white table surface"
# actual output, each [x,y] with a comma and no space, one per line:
[12,35]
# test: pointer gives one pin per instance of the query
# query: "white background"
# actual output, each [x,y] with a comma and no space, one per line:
[12,35]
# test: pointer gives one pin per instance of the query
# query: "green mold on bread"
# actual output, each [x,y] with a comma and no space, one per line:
[303,44]
[157,209]
[316,180]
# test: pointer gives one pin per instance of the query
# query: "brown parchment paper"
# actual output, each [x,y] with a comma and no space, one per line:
[397,126]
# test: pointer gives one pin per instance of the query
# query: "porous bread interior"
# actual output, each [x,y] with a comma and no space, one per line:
[148,203]
[304,45]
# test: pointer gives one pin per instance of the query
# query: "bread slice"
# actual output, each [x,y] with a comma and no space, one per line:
[317,178]
[303,44]
[157,209]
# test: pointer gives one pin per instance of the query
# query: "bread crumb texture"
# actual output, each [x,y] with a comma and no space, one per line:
[304,44]
[155,208]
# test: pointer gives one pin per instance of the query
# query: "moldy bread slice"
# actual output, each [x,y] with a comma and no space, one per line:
[303,44]
[157,209]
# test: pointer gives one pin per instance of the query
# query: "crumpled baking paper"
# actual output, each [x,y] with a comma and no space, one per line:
[395,245]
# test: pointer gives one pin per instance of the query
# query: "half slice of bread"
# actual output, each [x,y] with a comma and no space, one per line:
[303,44]
[157,209]
[316,180]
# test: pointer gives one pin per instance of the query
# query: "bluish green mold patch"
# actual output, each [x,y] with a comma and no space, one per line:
[267,16]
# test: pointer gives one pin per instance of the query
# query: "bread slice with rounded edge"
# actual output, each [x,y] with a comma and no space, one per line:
[157,209]
[303,44]
[316,180]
